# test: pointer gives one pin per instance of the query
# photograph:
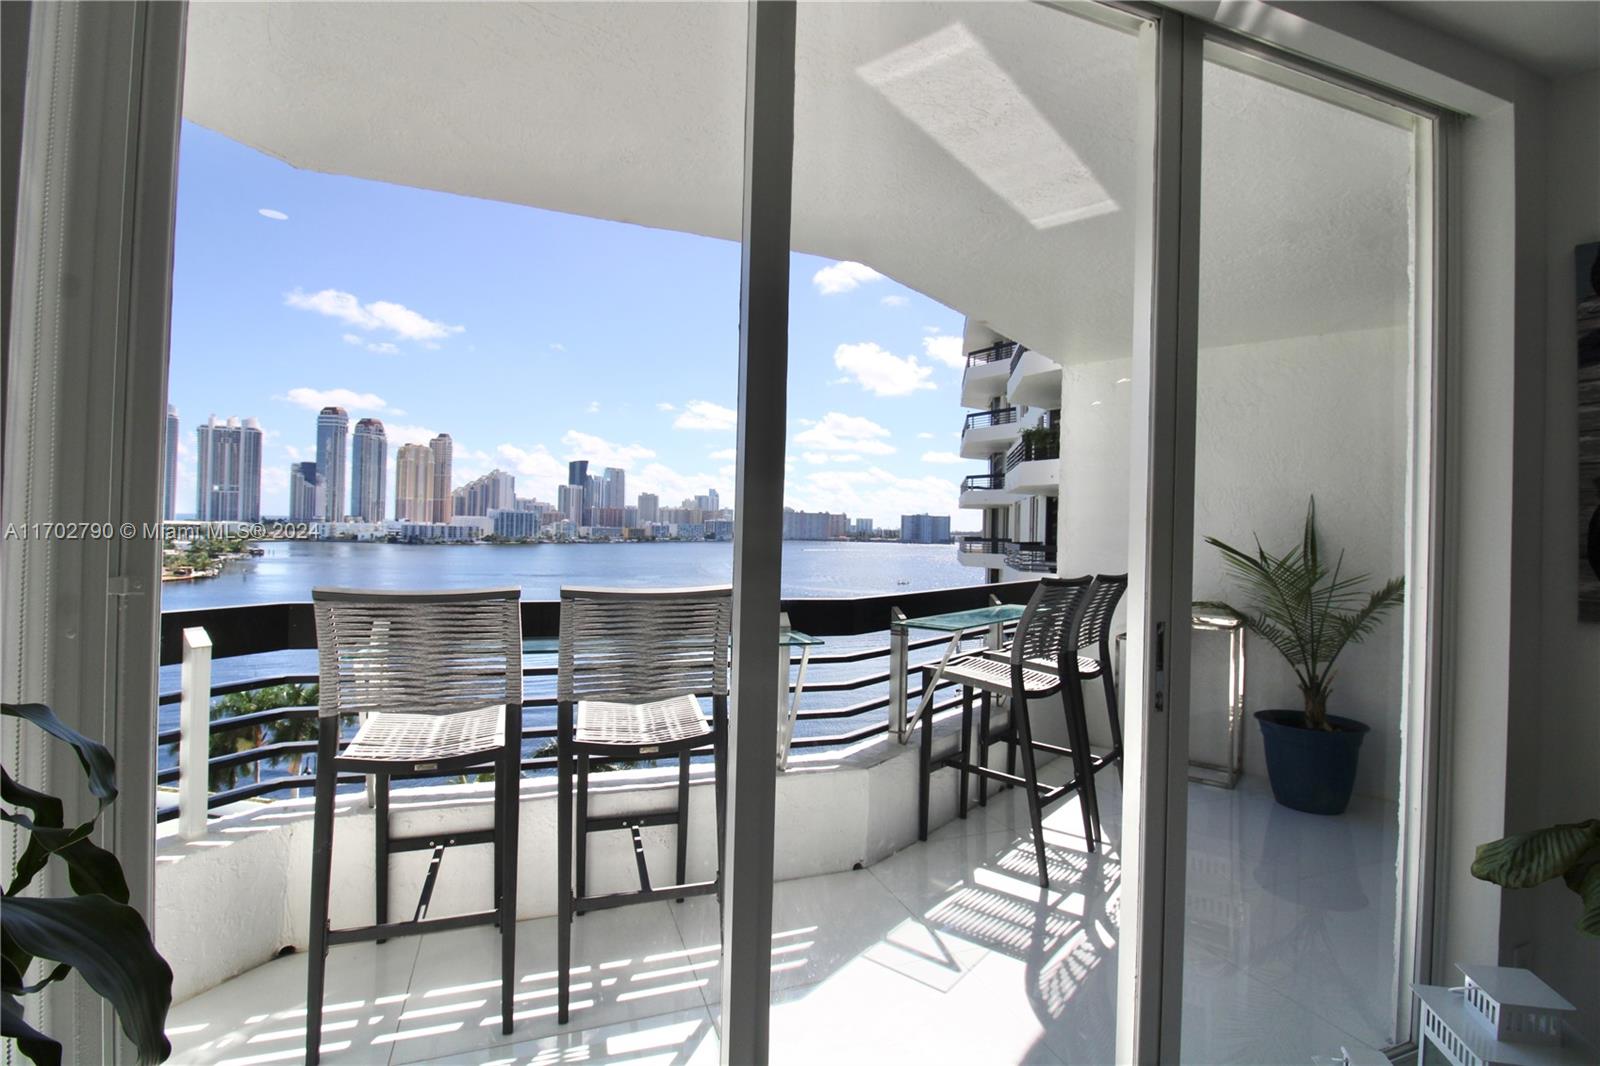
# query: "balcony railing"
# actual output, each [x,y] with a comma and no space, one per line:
[1033,449]
[993,353]
[228,632]
[976,482]
[1032,558]
[1000,417]
[978,544]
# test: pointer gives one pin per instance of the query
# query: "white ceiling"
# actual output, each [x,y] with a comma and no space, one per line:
[1552,38]
[982,154]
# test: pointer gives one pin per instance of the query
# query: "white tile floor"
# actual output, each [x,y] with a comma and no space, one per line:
[944,952]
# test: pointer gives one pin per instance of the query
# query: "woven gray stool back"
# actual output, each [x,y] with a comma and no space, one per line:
[637,645]
[417,652]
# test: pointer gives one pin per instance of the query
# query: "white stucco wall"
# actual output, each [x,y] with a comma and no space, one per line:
[1276,421]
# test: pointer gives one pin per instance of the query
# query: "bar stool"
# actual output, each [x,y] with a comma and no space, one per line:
[1041,662]
[437,680]
[632,664]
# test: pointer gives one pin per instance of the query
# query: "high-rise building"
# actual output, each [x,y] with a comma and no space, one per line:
[578,472]
[649,507]
[305,492]
[613,490]
[494,491]
[228,471]
[714,500]
[413,483]
[925,529]
[443,449]
[333,427]
[169,484]
[813,525]
[591,498]
[369,457]
[569,502]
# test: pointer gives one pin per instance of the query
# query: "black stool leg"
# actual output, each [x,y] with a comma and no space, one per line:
[380,839]
[563,863]
[1082,764]
[719,748]
[683,820]
[321,875]
[966,746]
[983,748]
[581,848]
[510,809]
[1030,773]
[1011,744]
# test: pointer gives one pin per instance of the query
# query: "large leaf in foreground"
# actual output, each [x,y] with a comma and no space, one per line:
[95,756]
[32,1043]
[1523,860]
[108,943]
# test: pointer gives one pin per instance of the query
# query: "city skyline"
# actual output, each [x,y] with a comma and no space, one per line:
[535,338]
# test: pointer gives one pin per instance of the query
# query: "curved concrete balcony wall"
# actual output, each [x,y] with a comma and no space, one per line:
[239,896]
[980,442]
[1038,477]
[982,382]
[1035,381]
[979,498]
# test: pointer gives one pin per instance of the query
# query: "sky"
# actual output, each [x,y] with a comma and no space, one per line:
[534,337]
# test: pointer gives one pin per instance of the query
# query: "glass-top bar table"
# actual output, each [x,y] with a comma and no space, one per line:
[958,624]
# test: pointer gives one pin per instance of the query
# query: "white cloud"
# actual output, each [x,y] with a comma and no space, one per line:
[603,453]
[894,300]
[703,414]
[665,406]
[272,213]
[381,347]
[674,487]
[946,350]
[397,319]
[941,457]
[593,408]
[723,455]
[350,400]
[558,347]
[818,458]
[398,433]
[880,372]
[872,493]
[843,276]
[296,455]
[845,433]
[924,436]
[274,479]
[534,463]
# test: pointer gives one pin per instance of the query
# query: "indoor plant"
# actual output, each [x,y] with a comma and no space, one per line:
[1570,852]
[94,930]
[1310,613]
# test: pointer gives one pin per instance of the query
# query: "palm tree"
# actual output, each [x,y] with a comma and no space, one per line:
[244,738]
[1307,611]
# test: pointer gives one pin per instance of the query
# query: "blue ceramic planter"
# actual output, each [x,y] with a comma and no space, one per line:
[1311,770]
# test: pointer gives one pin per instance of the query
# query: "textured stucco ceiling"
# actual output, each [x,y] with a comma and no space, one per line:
[982,154]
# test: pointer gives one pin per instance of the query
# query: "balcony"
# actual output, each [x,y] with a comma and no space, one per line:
[1033,380]
[985,490]
[985,433]
[985,376]
[1033,467]
[1031,558]
[984,551]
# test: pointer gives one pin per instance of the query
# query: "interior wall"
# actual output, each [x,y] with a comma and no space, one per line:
[1566,785]
[1277,421]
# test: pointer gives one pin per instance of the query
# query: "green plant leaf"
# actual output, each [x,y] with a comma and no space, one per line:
[1527,859]
[90,868]
[1585,881]
[47,809]
[109,945]
[32,1043]
[95,756]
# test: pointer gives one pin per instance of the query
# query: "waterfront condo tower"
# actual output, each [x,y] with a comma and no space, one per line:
[413,484]
[169,484]
[369,456]
[333,429]
[443,449]
[228,471]
[305,492]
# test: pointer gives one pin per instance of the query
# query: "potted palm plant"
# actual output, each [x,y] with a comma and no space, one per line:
[1310,613]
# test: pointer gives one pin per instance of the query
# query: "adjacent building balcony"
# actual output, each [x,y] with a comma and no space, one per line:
[1033,380]
[987,432]
[1033,467]
[979,549]
[985,490]
[1031,559]
[985,376]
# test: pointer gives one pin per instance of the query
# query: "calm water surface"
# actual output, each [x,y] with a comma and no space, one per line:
[290,569]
